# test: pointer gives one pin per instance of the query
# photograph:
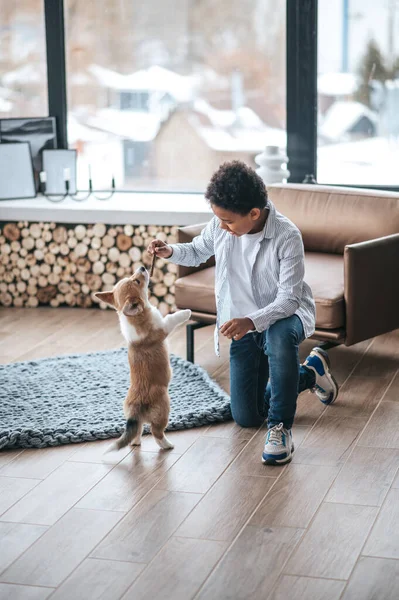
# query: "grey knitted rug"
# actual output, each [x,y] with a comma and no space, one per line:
[79,397]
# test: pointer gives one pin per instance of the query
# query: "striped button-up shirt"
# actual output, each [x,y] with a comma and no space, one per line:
[277,273]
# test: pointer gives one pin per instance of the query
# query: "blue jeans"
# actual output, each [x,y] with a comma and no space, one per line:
[265,375]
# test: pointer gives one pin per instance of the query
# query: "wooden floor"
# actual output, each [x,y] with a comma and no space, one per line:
[207,520]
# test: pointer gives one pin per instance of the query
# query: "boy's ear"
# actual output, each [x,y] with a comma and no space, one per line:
[131,309]
[107,297]
[255,213]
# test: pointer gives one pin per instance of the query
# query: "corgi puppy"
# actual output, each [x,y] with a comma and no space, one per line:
[145,330]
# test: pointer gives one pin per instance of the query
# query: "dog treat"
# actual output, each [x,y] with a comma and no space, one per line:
[154,256]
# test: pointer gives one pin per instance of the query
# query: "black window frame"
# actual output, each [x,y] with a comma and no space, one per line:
[301,84]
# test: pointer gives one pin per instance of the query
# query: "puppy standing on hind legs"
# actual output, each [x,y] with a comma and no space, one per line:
[145,331]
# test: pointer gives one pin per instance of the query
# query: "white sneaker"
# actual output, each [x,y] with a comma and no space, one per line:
[326,387]
[278,446]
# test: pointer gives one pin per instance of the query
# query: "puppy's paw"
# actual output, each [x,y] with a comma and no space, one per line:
[164,443]
[136,442]
[186,314]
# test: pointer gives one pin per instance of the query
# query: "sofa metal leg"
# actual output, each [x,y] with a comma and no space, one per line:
[190,328]
[328,345]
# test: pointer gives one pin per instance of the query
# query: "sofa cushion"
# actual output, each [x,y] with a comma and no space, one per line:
[323,272]
[325,275]
[197,291]
[330,218]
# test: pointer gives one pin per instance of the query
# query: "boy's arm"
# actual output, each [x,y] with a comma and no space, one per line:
[292,270]
[194,253]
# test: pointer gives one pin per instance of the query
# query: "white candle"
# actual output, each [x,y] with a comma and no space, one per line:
[43,176]
[67,174]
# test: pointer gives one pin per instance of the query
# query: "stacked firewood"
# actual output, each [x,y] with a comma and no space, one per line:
[56,265]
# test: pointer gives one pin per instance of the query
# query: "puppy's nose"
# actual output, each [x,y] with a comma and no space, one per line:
[142,269]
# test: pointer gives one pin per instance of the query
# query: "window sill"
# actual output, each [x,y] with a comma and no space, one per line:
[121,209]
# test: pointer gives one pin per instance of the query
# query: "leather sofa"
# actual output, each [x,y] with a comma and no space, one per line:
[351,240]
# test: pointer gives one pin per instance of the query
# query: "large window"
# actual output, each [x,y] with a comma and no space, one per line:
[23,78]
[161,92]
[358,92]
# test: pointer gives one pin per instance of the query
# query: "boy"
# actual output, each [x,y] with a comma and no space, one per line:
[263,305]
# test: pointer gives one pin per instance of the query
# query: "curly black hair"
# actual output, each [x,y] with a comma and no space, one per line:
[236,187]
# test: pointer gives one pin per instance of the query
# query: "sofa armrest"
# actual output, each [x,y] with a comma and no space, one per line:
[186,235]
[371,288]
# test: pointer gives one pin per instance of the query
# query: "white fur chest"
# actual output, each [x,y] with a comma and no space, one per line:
[129,331]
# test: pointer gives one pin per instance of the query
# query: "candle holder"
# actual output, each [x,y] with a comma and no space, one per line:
[109,194]
[79,195]
[43,191]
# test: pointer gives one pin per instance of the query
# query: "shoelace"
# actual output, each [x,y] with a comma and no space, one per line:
[275,435]
[316,388]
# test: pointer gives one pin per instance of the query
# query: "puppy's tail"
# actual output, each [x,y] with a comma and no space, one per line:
[127,436]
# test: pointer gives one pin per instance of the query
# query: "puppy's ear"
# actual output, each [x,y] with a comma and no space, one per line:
[131,309]
[107,297]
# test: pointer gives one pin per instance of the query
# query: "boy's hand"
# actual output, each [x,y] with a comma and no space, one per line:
[237,328]
[160,249]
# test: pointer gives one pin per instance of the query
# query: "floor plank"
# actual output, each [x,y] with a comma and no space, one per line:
[392,394]
[333,541]
[366,477]
[6,456]
[222,462]
[383,430]
[21,344]
[283,508]
[249,462]
[13,489]
[75,334]
[384,538]
[56,494]
[309,409]
[38,463]
[344,359]
[357,398]
[396,481]
[129,481]
[98,580]
[230,429]
[252,565]
[181,440]
[96,452]
[226,507]
[178,570]
[373,578]
[330,441]
[23,592]
[381,359]
[307,588]
[15,538]
[61,549]
[202,464]
[147,527]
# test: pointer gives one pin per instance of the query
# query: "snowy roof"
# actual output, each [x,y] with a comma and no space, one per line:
[28,73]
[6,96]
[242,140]
[153,79]
[5,105]
[370,161]
[227,118]
[337,84]
[77,131]
[227,131]
[138,126]
[341,117]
